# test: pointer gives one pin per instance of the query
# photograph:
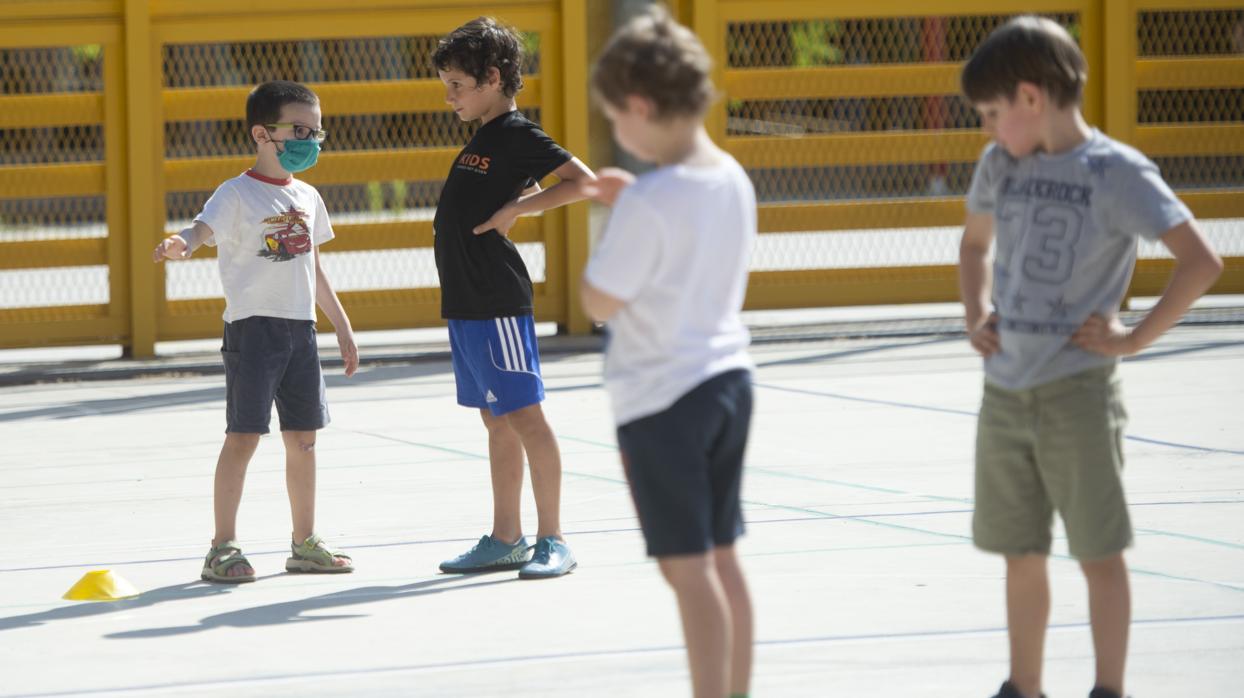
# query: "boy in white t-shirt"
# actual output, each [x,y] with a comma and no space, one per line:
[668,277]
[266,227]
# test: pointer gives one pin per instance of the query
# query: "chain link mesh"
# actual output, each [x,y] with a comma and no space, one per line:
[53,71]
[1187,34]
[327,61]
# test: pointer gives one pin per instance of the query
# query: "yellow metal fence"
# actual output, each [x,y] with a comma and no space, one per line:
[155,93]
[848,118]
[118,119]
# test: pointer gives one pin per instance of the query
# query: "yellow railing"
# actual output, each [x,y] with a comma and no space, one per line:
[739,32]
[847,116]
[136,175]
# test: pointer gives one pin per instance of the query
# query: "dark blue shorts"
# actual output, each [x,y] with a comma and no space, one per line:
[496,363]
[685,466]
[269,359]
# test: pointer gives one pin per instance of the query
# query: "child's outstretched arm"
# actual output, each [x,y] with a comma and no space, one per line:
[571,173]
[181,245]
[326,298]
[1197,266]
[975,283]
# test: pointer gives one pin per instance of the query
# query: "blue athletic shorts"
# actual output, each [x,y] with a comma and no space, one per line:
[685,466]
[272,359]
[496,363]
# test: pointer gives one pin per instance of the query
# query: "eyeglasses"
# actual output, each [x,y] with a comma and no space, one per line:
[303,133]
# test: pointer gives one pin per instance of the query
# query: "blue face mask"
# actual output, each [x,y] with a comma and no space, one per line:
[299,155]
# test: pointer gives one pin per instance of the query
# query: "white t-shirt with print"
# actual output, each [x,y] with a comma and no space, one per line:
[265,232]
[676,250]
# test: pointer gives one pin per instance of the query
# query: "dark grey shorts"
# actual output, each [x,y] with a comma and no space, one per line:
[269,359]
[685,466]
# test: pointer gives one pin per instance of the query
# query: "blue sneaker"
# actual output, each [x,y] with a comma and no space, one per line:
[489,555]
[552,558]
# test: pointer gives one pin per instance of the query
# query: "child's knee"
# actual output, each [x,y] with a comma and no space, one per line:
[1107,568]
[686,572]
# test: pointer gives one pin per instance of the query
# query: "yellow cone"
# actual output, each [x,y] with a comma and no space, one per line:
[100,585]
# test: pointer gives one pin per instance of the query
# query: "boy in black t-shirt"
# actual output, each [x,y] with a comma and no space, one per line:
[486,290]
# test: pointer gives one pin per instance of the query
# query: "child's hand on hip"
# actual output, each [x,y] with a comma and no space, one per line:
[608,184]
[1102,335]
[501,221]
[984,338]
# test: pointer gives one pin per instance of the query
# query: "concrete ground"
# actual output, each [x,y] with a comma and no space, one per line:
[858,501]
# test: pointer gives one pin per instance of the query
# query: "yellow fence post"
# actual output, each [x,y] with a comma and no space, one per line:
[707,28]
[575,103]
[1119,27]
[143,230]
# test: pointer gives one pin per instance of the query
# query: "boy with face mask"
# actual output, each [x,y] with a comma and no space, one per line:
[266,227]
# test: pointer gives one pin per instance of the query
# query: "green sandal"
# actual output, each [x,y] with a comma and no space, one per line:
[222,558]
[313,556]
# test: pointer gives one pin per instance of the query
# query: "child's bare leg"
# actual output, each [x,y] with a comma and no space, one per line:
[1110,611]
[546,466]
[1027,615]
[740,603]
[235,455]
[705,620]
[505,459]
[300,484]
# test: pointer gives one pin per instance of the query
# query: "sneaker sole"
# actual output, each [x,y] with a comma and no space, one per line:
[542,575]
[488,568]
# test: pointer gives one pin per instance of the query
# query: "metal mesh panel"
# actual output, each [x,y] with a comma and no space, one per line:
[1193,34]
[854,43]
[48,72]
[328,61]
[1190,33]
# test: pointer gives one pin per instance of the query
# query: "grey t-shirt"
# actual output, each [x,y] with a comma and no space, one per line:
[1066,227]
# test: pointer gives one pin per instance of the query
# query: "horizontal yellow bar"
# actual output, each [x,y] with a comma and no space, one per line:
[1223,72]
[1217,139]
[66,9]
[889,148]
[368,310]
[366,237]
[812,288]
[42,254]
[42,181]
[846,81]
[34,32]
[336,98]
[1186,5]
[202,22]
[59,109]
[861,215]
[1215,204]
[51,315]
[1152,276]
[782,10]
[193,174]
[245,8]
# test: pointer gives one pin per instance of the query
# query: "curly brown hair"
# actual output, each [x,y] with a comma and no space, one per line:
[481,44]
[654,57]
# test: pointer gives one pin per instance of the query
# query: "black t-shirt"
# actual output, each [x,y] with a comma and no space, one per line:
[483,276]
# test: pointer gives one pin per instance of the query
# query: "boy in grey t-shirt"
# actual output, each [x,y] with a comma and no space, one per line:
[1066,205]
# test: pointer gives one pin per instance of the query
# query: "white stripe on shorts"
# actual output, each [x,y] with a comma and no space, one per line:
[503,337]
[518,345]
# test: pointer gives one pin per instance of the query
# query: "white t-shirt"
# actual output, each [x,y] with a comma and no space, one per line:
[676,250]
[265,231]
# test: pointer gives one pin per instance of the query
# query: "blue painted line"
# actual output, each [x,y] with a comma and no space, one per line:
[966,413]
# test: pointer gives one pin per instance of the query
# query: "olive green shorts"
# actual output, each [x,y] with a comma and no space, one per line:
[1058,446]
